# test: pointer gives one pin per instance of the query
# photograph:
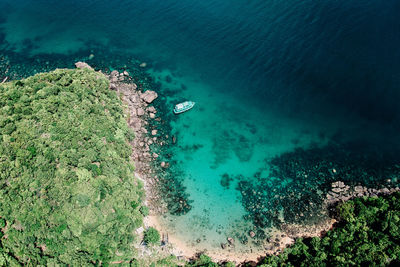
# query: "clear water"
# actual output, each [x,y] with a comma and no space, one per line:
[268,77]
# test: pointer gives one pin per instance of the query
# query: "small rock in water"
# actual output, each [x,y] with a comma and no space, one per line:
[154,132]
[126,73]
[173,139]
[231,240]
[152,115]
[91,56]
[252,234]
[143,65]
[114,73]
[223,245]
[151,109]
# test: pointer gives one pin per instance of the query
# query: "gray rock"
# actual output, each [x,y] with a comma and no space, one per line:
[149,96]
[152,109]
[231,240]
[385,190]
[336,189]
[82,65]
[114,73]
[359,189]
[113,86]
[140,112]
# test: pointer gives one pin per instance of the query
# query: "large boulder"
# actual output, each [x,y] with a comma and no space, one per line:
[149,96]
[82,65]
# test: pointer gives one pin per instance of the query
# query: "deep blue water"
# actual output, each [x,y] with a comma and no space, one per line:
[292,53]
[307,72]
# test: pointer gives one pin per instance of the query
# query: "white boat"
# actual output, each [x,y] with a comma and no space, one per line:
[184,106]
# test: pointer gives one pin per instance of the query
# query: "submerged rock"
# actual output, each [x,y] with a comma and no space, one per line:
[252,234]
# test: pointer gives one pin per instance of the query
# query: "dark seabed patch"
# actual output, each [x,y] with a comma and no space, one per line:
[299,180]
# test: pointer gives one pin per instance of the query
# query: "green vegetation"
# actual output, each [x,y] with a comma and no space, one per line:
[67,190]
[205,261]
[144,211]
[367,235]
[151,236]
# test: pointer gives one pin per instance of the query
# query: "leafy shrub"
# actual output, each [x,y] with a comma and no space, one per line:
[144,210]
[203,261]
[151,236]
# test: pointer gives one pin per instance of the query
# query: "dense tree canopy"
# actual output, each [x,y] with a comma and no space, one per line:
[368,235]
[67,189]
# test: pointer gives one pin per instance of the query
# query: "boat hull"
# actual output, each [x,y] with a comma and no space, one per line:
[183,107]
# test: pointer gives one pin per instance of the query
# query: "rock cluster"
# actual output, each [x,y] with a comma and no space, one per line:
[342,192]
[140,117]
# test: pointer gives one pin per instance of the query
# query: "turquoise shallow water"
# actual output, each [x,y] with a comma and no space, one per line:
[285,91]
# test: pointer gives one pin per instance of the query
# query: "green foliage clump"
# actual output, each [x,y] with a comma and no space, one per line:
[151,236]
[367,235]
[203,261]
[66,180]
[144,210]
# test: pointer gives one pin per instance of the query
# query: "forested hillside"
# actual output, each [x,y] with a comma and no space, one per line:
[368,234]
[67,189]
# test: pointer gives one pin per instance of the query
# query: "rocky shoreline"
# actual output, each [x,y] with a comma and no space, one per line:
[341,192]
[140,114]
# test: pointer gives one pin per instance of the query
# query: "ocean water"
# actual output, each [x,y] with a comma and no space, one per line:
[285,92]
